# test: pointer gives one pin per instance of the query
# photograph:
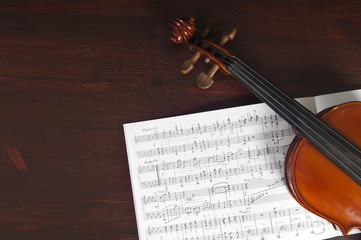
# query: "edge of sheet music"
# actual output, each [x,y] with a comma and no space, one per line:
[219,175]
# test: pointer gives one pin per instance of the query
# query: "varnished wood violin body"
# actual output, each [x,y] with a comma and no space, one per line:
[316,182]
[323,164]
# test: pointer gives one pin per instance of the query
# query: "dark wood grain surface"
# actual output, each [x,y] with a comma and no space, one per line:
[73,72]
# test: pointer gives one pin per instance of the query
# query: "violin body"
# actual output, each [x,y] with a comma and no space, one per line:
[316,182]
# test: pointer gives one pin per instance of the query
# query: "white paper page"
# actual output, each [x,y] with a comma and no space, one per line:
[216,175]
[329,100]
[309,103]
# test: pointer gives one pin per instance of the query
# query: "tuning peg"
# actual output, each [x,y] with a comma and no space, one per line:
[211,25]
[205,80]
[188,64]
[228,36]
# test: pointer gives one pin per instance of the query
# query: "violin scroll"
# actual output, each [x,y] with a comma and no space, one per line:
[182,29]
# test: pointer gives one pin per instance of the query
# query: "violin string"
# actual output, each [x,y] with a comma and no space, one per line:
[240,71]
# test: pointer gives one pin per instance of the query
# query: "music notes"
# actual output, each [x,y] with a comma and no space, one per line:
[216,175]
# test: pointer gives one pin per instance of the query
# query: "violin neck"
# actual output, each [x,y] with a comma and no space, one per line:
[339,150]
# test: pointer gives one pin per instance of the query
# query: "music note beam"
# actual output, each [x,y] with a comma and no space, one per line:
[215,176]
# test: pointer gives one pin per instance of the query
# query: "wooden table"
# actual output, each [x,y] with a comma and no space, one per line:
[73,72]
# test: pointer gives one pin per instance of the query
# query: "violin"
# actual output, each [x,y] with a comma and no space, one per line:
[323,162]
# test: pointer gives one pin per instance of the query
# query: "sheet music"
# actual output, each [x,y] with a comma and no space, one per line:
[216,175]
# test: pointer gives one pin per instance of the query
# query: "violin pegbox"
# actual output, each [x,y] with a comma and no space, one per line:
[205,80]
[211,26]
[184,31]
